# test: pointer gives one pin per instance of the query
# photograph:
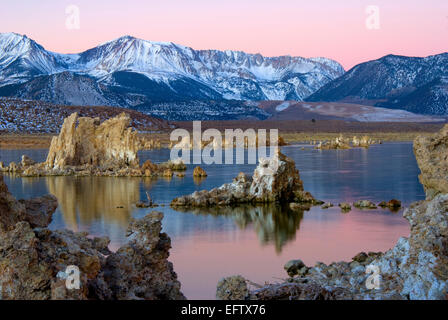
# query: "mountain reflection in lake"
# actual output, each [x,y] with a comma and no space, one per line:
[85,201]
[252,241]
[273,224]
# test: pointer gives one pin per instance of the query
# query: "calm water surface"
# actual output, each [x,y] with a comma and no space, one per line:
[253,242]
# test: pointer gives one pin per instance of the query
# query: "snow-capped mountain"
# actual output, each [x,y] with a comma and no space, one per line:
[233,74]
[418,85]
[141,70]
[21,59]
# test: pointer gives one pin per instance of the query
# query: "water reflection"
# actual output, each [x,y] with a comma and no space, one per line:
[83,200]
[86,200]
[273,224]
[198,180]
[253,242]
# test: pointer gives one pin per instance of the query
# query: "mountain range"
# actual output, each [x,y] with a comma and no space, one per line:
[179,83]
[419,85]
[130,71]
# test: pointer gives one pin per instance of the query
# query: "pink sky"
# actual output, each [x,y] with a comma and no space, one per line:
[333,29]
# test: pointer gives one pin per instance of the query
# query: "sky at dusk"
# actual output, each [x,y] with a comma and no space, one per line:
[347,31]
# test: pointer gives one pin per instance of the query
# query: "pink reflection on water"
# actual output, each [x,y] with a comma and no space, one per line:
[201,260]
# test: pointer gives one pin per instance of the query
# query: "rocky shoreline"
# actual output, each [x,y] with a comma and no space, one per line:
[34,259]
[415,268]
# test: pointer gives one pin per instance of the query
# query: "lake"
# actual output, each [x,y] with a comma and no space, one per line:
[252,241]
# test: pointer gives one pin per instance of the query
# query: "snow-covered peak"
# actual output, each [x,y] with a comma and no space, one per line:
[13,44]
[159,59]
[132,54]
[128,38]
[22,58]
[233,74]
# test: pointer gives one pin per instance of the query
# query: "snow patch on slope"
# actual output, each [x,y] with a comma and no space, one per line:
[282,106]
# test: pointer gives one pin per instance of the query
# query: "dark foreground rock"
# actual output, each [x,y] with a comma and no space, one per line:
[37,212]
[34,259]
[274,180]
[432,158]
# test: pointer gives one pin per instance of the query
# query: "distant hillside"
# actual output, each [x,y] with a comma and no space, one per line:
[293,110]
[205,110]
[431,98]
[40,117]
[414,84]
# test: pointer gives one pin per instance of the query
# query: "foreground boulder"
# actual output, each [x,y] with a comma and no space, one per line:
[232,288]
[140,269]
[294,267]
[432,158]
[274,180]
[37,212]
[34,259]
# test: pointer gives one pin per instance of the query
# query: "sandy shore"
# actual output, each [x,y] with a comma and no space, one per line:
[291,131]
[25,141]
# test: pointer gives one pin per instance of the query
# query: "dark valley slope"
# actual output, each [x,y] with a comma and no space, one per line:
[414,84]
[29,116]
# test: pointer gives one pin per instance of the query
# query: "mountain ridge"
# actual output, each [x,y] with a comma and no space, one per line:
[393,81]
[232,74]
[181,83]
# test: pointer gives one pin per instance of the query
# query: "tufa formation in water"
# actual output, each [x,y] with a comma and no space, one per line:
[274,180]
[344,143]
[86,147]
[86,141]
